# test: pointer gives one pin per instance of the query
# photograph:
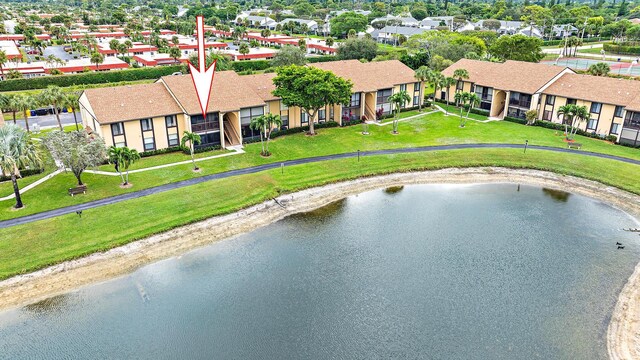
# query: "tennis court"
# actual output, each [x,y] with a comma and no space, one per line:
[622,68]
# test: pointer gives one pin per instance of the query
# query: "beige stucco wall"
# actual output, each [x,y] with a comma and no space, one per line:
[605,119]
[133,133]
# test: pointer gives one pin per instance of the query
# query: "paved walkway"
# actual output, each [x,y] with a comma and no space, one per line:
[236,151]
[403,119]
[254,169]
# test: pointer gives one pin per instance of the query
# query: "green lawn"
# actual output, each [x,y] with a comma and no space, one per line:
[434,129]
[29,247]
[163,159]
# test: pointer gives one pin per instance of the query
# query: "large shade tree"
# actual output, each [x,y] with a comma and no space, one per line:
[310,89]
[17,152]
[76,150]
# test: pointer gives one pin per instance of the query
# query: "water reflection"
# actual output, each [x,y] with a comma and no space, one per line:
[557,195]
[393,189]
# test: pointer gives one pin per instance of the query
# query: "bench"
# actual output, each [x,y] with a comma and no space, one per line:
[574,145]
[82,189]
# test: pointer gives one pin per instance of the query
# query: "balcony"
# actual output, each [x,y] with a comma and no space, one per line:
[205,126]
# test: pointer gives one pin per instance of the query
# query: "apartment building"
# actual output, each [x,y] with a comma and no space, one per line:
[512,88]
[154,116]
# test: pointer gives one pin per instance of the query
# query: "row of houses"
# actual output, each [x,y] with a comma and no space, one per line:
[512,88]
[154,116]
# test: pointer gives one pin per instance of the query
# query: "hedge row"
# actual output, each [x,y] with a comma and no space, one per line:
[23,173]
[294,130]
[621,49]
[587,40]
[254,65]
[97,77]
[560,127]
[184,149]
[322,58]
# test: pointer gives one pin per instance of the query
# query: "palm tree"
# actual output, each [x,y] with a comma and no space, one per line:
[460,74]
[25,103]
[422,74]
[473,100]
[116,158]
[3,60]
[599,69]
[175,53]
[581,114]
[399,100]
[16,152]
[129,156]
[12,105]
[4,104]
[447,83]
[54,96]
[243,48]
[265,124]
[193,139]
[71,100]
[461,99]
[97,58]
[238,32]
[438,83]
[567,112]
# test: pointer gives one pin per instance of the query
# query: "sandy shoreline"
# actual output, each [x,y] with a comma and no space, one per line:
[623,338]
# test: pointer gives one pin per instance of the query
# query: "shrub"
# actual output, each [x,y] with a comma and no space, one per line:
[621,49]
[254,65]
[23,173]
[322,58]
[163,151]
[100,77]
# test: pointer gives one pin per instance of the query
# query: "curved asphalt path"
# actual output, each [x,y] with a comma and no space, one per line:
[254,169]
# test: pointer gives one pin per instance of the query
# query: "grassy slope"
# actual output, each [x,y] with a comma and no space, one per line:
[435,129]
[29,247]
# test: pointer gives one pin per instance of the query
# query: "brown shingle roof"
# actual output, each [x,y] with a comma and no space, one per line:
[517,76]
[227,94]
[370,76]
[261,84]
[595,88]
[122,103]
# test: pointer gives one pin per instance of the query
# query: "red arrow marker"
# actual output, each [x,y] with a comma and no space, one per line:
[202,77]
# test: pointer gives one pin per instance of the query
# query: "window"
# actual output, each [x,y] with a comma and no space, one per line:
[416,94]
[571,101]
[304,119]
[355,100]
[592,124]
[170,121]
[149,143]
[403,87]
[173,140]
[546,115]
[459,86]
[383,96]
[331,113]
[618,112]
[322,115]
[147,124]
[520,100]
[283,106]
[596,107]
[117,129]
[550,100]
[632,120]
[198,123]
[120,144]
[246,115]
[615,128]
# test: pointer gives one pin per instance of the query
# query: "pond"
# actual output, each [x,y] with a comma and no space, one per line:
[423,271]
